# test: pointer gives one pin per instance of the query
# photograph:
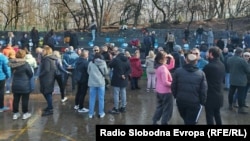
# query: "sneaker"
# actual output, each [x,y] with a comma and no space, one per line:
[7,92]
[122,109]
[83,110]
[76,107]
[65,99]
[47,112]
[26,115]
[16,116]
[114,111]
[4,109]
[242,111]
[90,116]
[148,90]
[102,115]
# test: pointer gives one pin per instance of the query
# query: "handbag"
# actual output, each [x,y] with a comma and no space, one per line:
[105,77]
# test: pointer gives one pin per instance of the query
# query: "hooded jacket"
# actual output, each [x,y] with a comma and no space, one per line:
[22,73]
[96,79]
[189,85]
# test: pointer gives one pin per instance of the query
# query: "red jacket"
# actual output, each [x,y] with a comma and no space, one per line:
[136,68]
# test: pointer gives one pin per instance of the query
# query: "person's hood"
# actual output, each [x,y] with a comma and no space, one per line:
[150,59]
[190,67]
[53,57]
[122,57]
[14,63]
[99,62]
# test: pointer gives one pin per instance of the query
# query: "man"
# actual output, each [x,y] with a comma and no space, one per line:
[121,71]
[199,33]
[4,74]
[93,28]
[189,87]
[215,72]
[238,70]
[69,60]
[34,34]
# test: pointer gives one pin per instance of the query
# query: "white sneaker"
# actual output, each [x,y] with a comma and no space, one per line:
[16,116]
[7,92]
[65,99]
[102,116]
[26,115]
[76,107]
[83,110]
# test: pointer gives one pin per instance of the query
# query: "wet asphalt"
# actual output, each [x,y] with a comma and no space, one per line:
[66,124]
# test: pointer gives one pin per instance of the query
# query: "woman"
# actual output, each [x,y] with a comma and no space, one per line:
[164,108]
[82,83]
[136,70]
[60,75]
[21,88]
[32,62]
[96,68]
[150,71]
[47,78]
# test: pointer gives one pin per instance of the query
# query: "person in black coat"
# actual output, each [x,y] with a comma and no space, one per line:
[73,40]
[21,88]
[34,35]
[189,87]
[215,73]
[24,41]
[47,78]
[121,70]
[82,85]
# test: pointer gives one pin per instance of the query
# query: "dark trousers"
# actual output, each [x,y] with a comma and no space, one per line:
[189,112]
[170,47]
[66,77]
[25,102]
[48,98]
[240,92]
[61,84]
[2,86]
[134,82]
[213,113]
[80,95]
[164,108]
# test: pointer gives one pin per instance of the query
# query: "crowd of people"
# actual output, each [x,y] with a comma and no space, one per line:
[196,77]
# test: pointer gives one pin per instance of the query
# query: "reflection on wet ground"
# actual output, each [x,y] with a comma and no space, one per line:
[66,124]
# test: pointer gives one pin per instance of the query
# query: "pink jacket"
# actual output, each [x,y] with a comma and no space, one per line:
[164,78]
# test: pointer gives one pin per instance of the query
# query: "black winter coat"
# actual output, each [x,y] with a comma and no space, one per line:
[82,67]
[189,85]
[22,74]
[47,74]
[215,74]
[121,66]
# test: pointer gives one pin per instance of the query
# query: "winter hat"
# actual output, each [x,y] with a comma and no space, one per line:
[177,48]
[191,57]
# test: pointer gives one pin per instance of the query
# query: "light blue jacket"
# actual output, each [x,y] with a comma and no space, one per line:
[4,67]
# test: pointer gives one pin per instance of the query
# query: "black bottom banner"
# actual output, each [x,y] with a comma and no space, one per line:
[187,132]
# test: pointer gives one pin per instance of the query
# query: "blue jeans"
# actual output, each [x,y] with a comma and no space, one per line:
[93,91]
[8,83]
[32,83]
[117,92]
[93,34]
[48,98]
[227,80]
